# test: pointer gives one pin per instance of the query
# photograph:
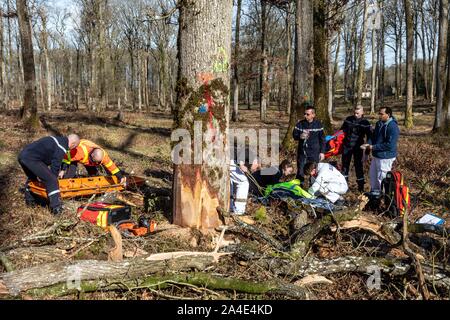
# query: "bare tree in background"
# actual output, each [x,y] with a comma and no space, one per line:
[409,64]
[29,112]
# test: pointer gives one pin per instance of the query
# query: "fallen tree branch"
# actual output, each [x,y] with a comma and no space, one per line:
[384,231]
[6,263]
[58,272]
[204,280]
[277,245]
[305,236]
[413,257]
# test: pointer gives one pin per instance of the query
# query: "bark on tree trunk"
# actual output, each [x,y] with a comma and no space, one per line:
[335,72]
[203,84]
[234,115]
[321,64]
[424,58]
[264,100]
[409,64]
[30,100]
[288,59]
[64,272]
[382,55]
[46,77]
[302,89]
[362,62]
[441,74]
[374,73]
[2,66]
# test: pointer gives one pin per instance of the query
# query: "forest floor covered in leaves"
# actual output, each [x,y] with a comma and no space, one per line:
[263,264]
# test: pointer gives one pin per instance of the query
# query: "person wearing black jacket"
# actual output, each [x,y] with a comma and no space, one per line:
[35,160]
[311,141]
[356,128]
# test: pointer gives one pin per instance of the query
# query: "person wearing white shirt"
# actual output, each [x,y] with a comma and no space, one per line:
[326,181]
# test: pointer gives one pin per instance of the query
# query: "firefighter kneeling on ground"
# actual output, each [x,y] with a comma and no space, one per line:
[91,156]
[35,160]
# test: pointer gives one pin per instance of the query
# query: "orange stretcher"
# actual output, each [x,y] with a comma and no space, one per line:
[78,187]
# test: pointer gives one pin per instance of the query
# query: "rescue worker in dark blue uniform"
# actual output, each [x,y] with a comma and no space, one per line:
[356,128]
[311,141]
[35,160]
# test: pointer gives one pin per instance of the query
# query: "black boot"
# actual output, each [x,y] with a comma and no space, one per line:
[29,199]
[57,211]
[361,187]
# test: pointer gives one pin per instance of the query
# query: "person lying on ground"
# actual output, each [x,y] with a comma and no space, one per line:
[35,159]
[262,178]
[92,157]
[326,181]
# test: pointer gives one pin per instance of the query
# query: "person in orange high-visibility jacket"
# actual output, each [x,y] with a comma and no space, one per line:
[91,156]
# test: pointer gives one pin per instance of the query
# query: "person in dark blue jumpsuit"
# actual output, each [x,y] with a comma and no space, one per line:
[311,141]
[356,128]
[35,160]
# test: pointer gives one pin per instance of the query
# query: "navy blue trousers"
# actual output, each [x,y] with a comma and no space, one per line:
[37,169]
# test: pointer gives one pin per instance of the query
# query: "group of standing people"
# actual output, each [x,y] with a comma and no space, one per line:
[360,139]
[325,179]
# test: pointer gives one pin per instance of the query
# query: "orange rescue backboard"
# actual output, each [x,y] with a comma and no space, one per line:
[78,187]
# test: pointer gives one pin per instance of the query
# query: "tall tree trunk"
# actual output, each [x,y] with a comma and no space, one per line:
[441,74]
[424,55]
[335,72]
[400,73]
[9,64]
[374,73]
[362,62]
[46,77]
[347,64]
[354,63]
[433,63]
[139,80]
[101,61]
[330,81]
[288,59]
[234,116]
[2,66]
[249,94]
[416,32]
[302,88]
[409,64]
[382,55]
[30,100]
[198,189]
[20,74]
[397,65]
[264,69]
[321,64]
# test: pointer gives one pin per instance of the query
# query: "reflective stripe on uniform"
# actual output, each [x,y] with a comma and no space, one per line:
[86,154]
[57,143]
[109,164]
[53,192]
[69,158]
[115,171]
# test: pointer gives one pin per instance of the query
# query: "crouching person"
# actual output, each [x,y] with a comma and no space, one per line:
[326,181]
[240,161]
[35,160]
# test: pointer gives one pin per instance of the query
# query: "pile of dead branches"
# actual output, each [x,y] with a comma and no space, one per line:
[275,256]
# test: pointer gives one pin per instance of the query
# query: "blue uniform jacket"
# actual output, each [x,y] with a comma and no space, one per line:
[385,138]
[49,150]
